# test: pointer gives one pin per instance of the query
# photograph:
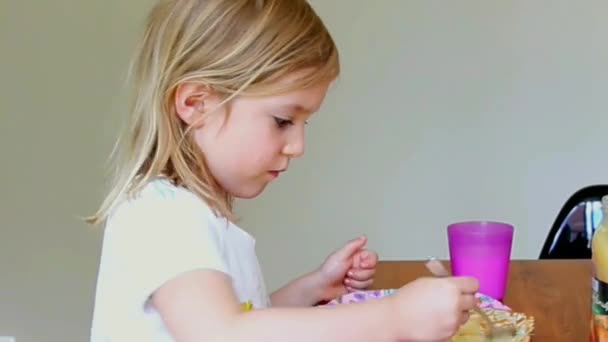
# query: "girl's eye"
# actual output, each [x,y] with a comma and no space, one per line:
[283,123]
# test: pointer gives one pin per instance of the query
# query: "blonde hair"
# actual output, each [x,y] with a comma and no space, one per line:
[235,47]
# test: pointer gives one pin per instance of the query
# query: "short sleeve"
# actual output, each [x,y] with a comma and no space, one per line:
[161,234]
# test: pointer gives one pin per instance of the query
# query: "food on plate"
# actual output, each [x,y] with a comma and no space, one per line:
[477,330]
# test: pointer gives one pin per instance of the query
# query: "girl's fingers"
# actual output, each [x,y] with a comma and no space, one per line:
[467,302]
[464,317]
[369,259]
[361,274]
[358,284]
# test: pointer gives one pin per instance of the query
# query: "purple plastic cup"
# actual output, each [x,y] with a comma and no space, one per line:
[482,250]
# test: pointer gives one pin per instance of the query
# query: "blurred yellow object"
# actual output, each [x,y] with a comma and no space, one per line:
[248,306]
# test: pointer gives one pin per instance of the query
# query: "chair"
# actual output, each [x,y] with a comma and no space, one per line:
[571,233]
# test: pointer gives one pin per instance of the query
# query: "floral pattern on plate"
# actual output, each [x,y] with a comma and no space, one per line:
[485,302]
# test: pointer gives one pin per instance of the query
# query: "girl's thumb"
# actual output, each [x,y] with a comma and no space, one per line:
[352,247]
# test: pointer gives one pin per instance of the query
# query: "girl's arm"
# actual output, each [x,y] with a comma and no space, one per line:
[201,306]
[351,266]
[306,290]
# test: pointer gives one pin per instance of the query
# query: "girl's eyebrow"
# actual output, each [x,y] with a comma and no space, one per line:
[297,108]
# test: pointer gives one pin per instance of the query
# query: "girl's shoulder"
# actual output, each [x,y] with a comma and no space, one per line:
[164,189]
[162,199]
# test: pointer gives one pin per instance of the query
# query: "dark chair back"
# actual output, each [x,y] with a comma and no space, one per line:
[571,233]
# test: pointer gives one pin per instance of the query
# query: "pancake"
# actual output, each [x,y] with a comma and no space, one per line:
[476,329]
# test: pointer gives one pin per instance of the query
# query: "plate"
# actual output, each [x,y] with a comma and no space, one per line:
[485,302]
[474,330]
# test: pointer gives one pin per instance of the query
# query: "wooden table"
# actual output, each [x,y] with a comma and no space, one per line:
[557,293]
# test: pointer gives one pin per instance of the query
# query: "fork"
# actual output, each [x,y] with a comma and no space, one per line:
[439,270]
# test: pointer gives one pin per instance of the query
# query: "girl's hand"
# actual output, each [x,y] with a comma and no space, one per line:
[433,309]
[350,268]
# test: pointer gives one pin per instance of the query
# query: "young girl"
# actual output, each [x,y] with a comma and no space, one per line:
[223,90]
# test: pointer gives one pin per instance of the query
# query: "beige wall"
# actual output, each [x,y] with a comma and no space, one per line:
[62,66]
[445,111]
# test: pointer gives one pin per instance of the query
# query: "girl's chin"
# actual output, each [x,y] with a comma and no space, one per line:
[250,192]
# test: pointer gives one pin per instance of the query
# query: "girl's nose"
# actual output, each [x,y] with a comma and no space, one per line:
[295,146]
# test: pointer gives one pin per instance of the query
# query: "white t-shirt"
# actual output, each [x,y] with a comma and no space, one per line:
[149,240]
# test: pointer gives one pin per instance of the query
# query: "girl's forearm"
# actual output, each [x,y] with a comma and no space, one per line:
[306,290]
[365,322]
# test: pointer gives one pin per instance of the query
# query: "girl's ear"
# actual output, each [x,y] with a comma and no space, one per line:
[191,101]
